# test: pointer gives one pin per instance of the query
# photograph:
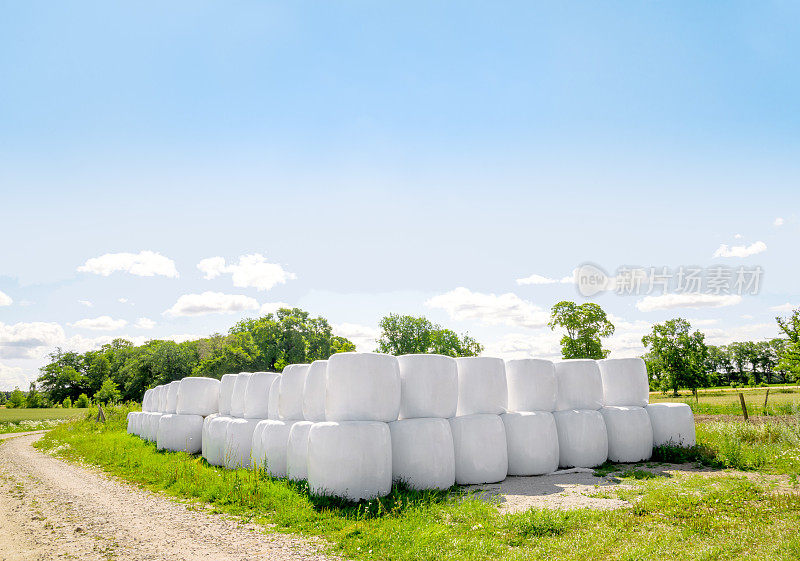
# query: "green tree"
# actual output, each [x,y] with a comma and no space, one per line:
[16,400]
[108,392]
[682,353]
[64,376]
[403,334]
[34,399]
[789,360]
[67,403]
[83,401]
[585,326]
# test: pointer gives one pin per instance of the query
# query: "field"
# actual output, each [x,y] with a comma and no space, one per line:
[744,505]
[19,420]
[781,401]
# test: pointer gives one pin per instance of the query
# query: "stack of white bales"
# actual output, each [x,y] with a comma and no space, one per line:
[479,436]
[249,406]
[185,404]
[152,416]
[350,453]
[423,456]
[215,426]
[582,436]
[313,408]
[531,434]
[626,392]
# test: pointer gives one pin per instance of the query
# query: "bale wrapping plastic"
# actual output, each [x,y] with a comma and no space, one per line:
[625,381]
[630,435]
[422,453]
[198,396]
[290,402]
[226,385]
[532,442]
[582,438]
[239,393]
[205,438]
[362,387]
[482,386]
[172,396]
[428,386]
[147,401]
[131,419]
[180,433]
[238,442]
[256,401]
[479,445]
[579,385]
[139,424]
[350,459]
[163,391]
[273,403]
[314,391]
[274,444]
[150,426]
[297,451]
[673,424]
[214,439]
[531,384]
[257,454]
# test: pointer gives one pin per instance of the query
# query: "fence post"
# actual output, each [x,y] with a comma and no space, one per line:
[744,406]
[101,416]
[766,397]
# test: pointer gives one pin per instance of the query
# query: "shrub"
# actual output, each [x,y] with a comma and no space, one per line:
[67,403]
[82,401]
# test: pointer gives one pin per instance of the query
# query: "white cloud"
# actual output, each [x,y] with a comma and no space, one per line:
[142,264]
[211,303]
[144,323]
[86,303]
[122,300]
[5,299]
[784,308]
[754,248]
[100,323]
[14,377]
[691,300]
[272,307]
[492,309]
[746,316]
[252,271]
[519,345]
[751,332]
[28,340]
[539,279]
[737,236]
[365,338]
[778,222]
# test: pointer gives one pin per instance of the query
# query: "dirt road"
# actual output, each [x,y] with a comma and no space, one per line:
[50,509]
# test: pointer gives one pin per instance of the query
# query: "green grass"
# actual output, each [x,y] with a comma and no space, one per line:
[685,517]
[20,420]
[781,401]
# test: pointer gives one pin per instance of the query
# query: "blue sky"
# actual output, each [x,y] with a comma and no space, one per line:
[356,159]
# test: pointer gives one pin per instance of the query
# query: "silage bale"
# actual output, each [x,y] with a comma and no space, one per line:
[172,396]
[532,384]
[131,422]
[257,453]
[314,391]
[582,438]
[256,400]
[479,446]
[350,459]
[150,426]
[532,442]
[198,396]
[214,439]
[147,401]
[238,442]
[625,381]
[180,433]
[579,385]
[239,394]
[290,400]
[673,424]
[205,438]
[297,451]
[273,404]
[422,453]
[274,445]
[482,387]
[162,398]
[630,434]
[226,393]
[362,387]
[428,386]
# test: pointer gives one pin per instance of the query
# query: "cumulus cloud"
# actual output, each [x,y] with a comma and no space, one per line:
[28,340]
[784,308]
[122,300]
[691,300]
[754,248]
[272,307]
[86,303]
[365,338]
[749,332]
[492,309]
[5,299]
[778,222]
[539,279]
[100,323]
[252,271]
[144,323]
[142,264]
[520,345]
[211,303]
[14,377]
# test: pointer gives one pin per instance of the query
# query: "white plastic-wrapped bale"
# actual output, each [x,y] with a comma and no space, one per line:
[630,435]
[147,401]
[624,381]
[180,433]
[482,386]
[154,399]
[579,385]
[274,444]
[214,439]
[428,386]
[238,442]
[297,451]
[362,387]
[314,391]
[273,409]
[350,459]
[226,385]
[582,438]
[256,400]
[290,401]
[139,424]
[205,438]
[422,453]
[531,385]
[239,393]
[150,426]
[257,454]
[479,445]
[163,391]
[673,424]
[198,396]
[172,396]
[131,419]
[532,441]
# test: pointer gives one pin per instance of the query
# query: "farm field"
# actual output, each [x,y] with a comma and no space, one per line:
[781,401]
[19,420]
[735,495]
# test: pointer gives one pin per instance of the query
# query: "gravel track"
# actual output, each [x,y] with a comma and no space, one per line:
[50,509]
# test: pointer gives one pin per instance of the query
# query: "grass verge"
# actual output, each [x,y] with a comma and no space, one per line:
[21,420]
